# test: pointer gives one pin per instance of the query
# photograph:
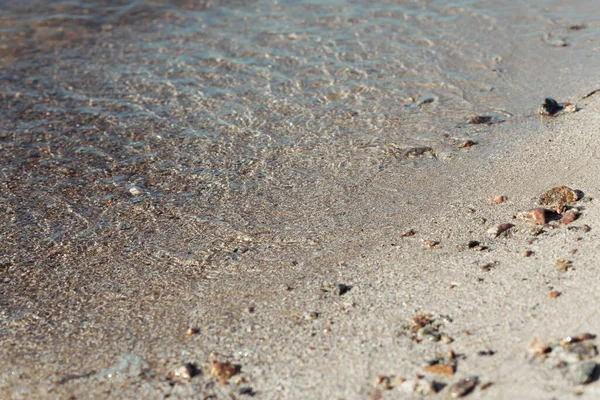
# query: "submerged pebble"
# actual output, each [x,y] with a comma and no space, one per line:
[480,119]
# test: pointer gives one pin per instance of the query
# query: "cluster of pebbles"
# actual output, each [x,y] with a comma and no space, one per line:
[573,356]
[557,209]
[426,328]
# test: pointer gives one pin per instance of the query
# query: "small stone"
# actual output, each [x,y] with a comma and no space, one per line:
[414,152]
[223,371]
[537,348]
[431,243]
[539,216]
[562,264]
[421,320]
[311,315]
[384,382]
[428,333]
[192,331]
[582,372]
[440,369]
[423,386]
[427,99]
[498,230]
[472,244]
[570,107]
[586,228]
[485,385]
[135,191]
[447,339]
[549,107]
[246,390]
[499,199]
[467,144]
[527,253]
[339,289]
[554,294]
[480,119]
[184,372]
[409,233]
[487,267]
[558,195]
[463,387]
[560,208]
[574,352]
[568,217]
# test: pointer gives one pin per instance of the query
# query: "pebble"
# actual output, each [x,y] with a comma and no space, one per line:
[447,339]
[223,371]
[467,144]
[568,217]
[539,216]
[562,264]
[135,191]
[428,333]
[549,107]
[559,194]
[570,107]
[480,119]
[246,390]
[409,233]
[498,230]
[472,244]
[499,199]
[421,385]
[414,152]
[311,315]
[184,373]
[427,99]
[192,331]
[582,372]
[463,387]
[440,369]
[527,253]
[554,294]
[574,352]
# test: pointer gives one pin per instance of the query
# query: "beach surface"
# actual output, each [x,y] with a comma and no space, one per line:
[324,253]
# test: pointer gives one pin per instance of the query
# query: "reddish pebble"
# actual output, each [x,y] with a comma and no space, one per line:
[568,217]
[538,216]
[496,231]
[500,199]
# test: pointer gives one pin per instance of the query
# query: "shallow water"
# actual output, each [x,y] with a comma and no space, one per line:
[249,117]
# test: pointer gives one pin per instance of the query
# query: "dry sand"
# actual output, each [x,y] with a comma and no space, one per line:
[256,312]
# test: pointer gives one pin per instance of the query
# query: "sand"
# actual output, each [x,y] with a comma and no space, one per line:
[121,234]
[255,311]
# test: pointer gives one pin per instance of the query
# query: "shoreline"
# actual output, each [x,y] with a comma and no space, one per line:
[262,317]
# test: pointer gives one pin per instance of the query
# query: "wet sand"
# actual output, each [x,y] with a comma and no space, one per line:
[121,232]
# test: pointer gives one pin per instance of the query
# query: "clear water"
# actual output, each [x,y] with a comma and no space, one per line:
[223,111]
